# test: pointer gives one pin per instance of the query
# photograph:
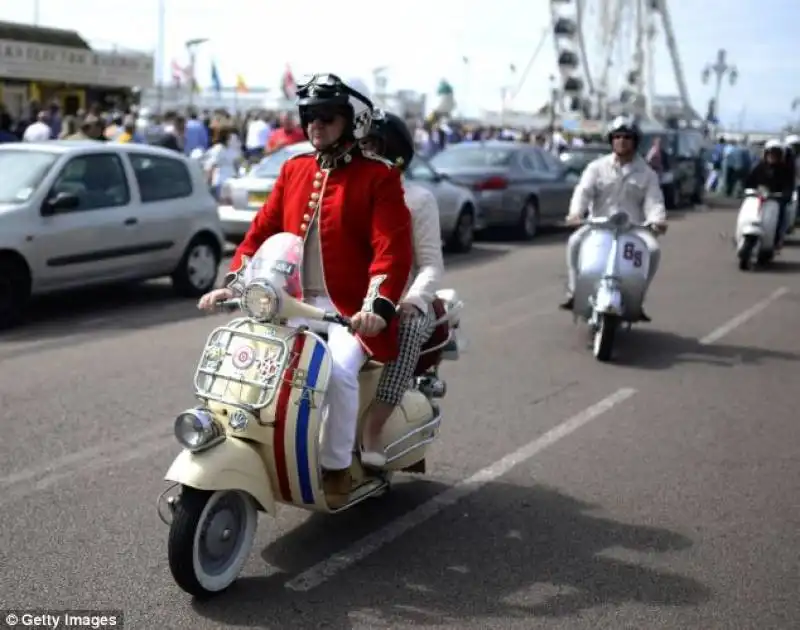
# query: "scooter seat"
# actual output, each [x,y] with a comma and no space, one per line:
[371,365]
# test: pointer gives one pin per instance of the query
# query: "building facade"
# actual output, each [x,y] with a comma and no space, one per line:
[42,65]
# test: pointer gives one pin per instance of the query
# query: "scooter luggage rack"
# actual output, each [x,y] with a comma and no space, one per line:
[208,368]
[431,426]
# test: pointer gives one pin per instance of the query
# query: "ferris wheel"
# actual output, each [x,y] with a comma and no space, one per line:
[605,51]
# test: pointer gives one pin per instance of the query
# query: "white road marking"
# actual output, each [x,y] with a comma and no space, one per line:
[326,569]
[35,479]
[741,318]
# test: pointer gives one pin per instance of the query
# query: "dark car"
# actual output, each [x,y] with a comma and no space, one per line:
[576,159]
[684,161]
[516,185]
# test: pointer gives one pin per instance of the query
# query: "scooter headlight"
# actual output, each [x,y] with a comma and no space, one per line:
[195,429]
[261,300]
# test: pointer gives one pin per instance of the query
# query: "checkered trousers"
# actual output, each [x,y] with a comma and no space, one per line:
[397,375]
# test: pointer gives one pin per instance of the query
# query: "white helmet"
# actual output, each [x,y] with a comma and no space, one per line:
[792,140]
[328,89]
[773,144]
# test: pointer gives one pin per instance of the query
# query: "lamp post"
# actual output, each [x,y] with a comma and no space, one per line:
[720,69]
[191,48]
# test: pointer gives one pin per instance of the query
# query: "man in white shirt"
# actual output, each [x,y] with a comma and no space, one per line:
[257,136]
[39,131]
[619,182]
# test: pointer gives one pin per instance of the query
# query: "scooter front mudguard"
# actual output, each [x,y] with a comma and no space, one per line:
[608,299]
[230,465]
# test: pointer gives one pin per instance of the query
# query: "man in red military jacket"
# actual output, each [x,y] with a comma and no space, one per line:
[349,207]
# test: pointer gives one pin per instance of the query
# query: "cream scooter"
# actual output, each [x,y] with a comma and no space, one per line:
[254,440]
[756,226]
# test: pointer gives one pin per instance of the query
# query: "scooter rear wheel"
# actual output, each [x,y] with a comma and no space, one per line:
[210,538]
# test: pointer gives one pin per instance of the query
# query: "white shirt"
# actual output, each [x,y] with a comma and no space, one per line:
[222,159]
[257,134]
[428,268]
[37,132]
[607,186]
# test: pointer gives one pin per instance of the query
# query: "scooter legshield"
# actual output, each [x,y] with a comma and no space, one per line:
[230,465]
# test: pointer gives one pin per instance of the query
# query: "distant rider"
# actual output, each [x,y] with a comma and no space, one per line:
[621,181]
[349,208]
[391,139]
[774,173]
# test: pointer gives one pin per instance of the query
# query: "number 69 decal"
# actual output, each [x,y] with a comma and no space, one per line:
[629,252]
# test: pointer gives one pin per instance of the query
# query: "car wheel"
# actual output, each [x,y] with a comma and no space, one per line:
[15,291]
[197,271]
[463,235]
[528,224]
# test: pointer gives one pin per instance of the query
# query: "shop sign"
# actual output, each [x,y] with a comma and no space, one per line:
[40,62]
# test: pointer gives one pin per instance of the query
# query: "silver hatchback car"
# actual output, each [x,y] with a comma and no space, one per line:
[77,214]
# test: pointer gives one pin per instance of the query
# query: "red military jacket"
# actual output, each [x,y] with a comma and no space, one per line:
[365,233]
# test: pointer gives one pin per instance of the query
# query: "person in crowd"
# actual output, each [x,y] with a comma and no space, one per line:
[38,131]
[288,133]
[222,160]
[195,134]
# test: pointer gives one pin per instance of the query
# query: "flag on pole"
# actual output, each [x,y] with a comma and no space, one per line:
[216,83]
[178,73]
[241,84]
[288,84]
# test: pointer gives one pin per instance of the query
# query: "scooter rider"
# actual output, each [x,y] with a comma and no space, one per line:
[348,206]
[620,181]
[391,139]
[774,173]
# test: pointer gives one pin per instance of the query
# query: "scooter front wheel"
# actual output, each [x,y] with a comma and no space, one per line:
[210,538]
[604,335]
[746,252]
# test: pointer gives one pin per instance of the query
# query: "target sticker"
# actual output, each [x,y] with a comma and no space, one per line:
[243,357]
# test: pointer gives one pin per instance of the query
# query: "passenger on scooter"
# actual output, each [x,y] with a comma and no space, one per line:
[348,206]
[619,182]
[774,173]
[391,139]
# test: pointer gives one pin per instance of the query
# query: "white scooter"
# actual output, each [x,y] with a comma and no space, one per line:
[791,213]
[755,228]
[611,282]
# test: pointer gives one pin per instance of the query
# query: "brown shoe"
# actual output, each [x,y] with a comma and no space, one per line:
[337,485]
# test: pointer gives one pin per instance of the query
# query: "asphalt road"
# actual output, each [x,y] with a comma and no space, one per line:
[656,492]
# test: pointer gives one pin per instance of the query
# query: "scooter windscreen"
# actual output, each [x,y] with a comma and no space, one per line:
[275,269]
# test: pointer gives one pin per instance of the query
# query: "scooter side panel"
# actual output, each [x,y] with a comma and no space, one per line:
[749,219]
[232,464]
[298,420]
[632,269]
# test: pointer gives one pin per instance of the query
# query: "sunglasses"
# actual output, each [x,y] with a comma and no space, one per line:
[325,116]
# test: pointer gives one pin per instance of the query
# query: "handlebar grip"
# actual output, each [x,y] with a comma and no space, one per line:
[335,318]
[229,305]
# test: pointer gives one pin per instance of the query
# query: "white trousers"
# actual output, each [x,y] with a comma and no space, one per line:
[341,404]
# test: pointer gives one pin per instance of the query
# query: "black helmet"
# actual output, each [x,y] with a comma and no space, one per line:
[624,124]
[395,142]
[329,91]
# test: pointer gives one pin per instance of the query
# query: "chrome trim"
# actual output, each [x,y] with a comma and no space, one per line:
[221,338]
[432,425]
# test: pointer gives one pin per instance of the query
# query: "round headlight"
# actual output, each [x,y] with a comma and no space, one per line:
[195,428]
[261,300]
